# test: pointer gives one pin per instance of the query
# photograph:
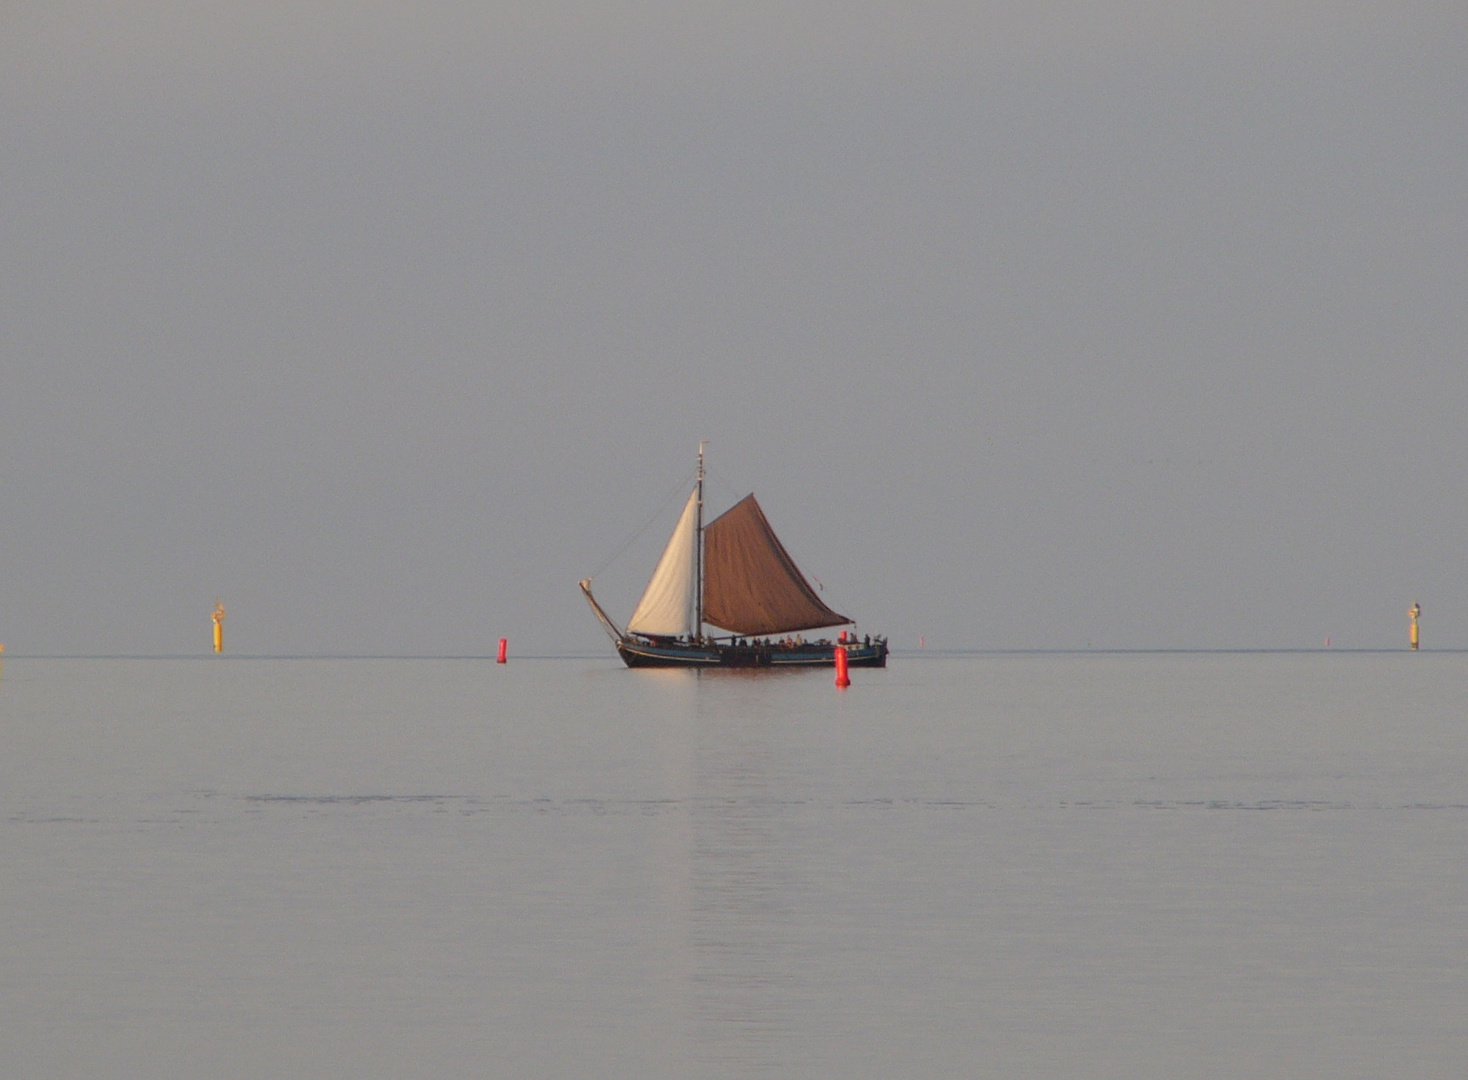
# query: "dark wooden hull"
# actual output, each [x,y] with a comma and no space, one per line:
[637,653]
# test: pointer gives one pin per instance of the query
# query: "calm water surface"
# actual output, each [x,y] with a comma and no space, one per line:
[1226,865]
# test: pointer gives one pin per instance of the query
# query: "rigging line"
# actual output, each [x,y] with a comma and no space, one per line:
[724,485]
[662,506]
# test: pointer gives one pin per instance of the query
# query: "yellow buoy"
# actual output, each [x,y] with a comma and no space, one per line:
[1413,613]
[218,626]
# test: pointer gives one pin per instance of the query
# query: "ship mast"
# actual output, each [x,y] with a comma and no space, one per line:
[698,552]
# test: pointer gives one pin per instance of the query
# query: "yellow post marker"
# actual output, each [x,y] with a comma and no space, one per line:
[1413,613]
[218,626]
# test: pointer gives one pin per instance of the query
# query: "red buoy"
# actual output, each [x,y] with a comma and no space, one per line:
[504,647]
[842,679]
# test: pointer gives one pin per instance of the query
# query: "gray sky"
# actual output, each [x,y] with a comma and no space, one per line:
[1031,325]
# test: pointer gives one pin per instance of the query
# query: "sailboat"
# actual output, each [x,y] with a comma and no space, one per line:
[733,575]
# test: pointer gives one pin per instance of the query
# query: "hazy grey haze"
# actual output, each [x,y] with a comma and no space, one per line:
[1032,325]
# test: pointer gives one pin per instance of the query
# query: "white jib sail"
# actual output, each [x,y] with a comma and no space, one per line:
[666,607]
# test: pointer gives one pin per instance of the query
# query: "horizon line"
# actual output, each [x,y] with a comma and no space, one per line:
[907,653]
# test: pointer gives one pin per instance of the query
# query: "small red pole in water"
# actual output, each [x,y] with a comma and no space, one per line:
[842,679]
[504,646]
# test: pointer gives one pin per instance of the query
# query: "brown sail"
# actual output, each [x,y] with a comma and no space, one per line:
[750,583]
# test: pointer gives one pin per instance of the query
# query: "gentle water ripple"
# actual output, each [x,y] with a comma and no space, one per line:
[225,807]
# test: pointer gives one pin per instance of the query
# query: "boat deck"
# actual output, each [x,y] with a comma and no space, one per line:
[639,653]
